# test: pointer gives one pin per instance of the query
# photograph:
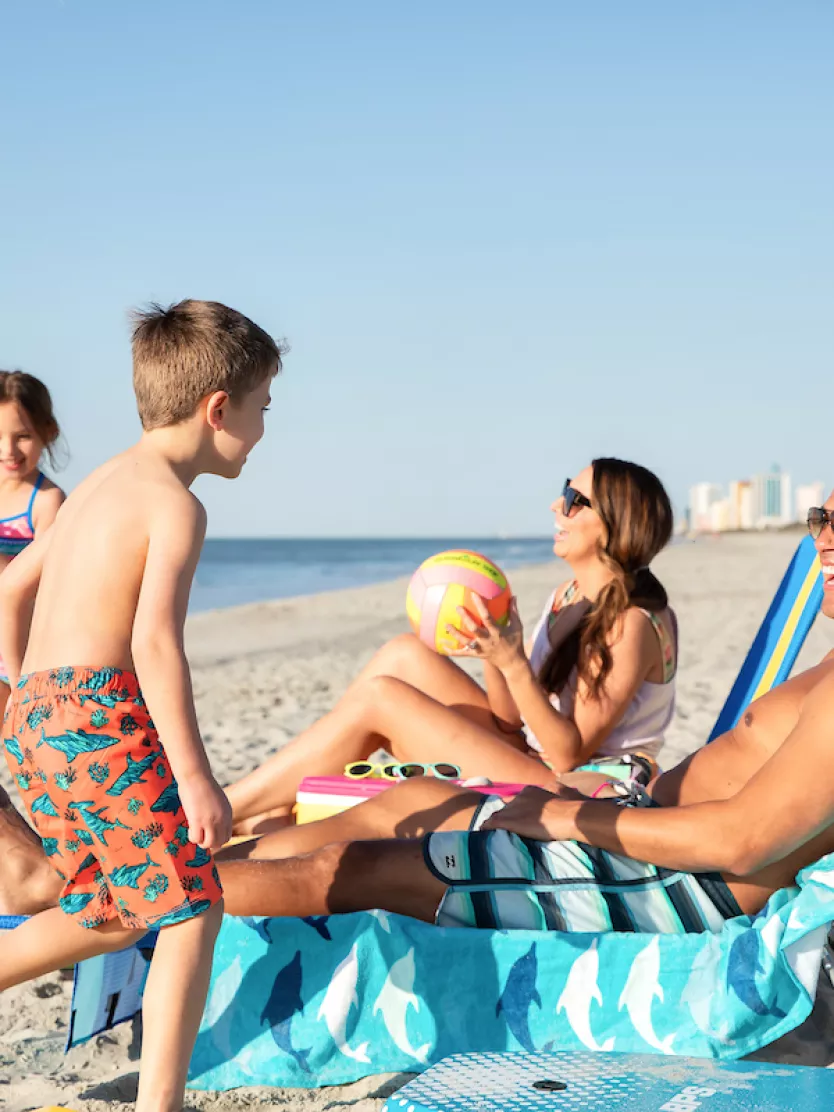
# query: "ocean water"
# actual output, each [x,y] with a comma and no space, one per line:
[232,572]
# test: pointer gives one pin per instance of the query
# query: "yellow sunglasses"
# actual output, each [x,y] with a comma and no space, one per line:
[361,770]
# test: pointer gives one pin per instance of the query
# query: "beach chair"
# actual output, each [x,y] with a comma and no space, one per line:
[780,637]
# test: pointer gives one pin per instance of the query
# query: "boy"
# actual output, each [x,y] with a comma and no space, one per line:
[126,806]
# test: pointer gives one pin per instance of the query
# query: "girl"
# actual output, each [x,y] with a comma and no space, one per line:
[597,683]
[29,500]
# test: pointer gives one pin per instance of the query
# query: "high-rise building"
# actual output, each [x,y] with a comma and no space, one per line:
[701,498]
[741,515]
[772,499]
[719,516]
[811,494]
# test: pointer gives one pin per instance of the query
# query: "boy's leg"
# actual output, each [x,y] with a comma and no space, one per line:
[51,940]
[175,995]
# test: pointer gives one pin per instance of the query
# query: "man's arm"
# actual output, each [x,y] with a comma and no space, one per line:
[157,647]
[18,589]
[787,802]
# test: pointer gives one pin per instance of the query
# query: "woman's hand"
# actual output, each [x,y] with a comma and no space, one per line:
[501,645]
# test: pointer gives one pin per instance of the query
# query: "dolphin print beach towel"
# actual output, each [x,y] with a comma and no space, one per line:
[325,1001]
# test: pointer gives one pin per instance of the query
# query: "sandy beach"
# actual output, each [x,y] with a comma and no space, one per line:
[266,671]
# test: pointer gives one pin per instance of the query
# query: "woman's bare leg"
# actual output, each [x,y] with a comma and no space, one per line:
[320,749]
[408,810]
[414,728]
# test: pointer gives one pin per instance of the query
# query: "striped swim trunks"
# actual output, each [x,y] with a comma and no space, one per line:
[502,881]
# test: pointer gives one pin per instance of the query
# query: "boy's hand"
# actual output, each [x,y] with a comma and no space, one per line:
[208,812]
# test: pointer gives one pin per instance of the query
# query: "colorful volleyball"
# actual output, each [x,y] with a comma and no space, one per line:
[446,581]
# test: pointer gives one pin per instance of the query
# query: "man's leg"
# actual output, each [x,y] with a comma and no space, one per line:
[28,883]
[407,810]
[352,876]
[172,1006]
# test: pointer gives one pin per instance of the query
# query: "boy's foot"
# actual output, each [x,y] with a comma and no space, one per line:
[27,882]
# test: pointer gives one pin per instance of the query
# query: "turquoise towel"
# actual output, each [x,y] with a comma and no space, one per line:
[326,1001]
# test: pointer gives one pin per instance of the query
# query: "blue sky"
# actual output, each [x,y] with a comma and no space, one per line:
[501,239]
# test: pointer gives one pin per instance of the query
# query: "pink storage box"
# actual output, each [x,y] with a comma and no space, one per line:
[321,796]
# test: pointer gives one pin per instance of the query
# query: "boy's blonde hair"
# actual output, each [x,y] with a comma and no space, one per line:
[191,349]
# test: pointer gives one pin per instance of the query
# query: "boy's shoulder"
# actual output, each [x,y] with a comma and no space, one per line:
[145,488]
[136,475]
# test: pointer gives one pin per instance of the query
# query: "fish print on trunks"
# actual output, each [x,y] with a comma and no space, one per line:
[97,786]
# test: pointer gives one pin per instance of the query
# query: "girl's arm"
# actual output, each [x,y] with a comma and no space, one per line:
[20,579]
[18,588]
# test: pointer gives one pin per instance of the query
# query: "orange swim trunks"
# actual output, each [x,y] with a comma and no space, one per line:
[98,788]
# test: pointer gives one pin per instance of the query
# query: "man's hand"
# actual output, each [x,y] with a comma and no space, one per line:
[535,813]
[208,812]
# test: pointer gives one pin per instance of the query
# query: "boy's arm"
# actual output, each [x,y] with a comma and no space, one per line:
[176,537]
[18,588]
[789,801]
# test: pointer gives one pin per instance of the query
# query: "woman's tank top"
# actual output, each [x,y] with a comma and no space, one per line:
[647,716]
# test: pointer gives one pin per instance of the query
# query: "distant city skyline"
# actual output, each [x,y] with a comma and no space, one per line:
[500,240]
[766,500]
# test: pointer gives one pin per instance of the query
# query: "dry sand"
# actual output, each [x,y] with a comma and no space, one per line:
[264,672]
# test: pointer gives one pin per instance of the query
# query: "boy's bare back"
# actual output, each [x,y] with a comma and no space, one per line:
[123,548]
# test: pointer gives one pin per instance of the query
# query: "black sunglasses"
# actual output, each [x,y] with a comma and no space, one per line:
[572,497]
[817,519]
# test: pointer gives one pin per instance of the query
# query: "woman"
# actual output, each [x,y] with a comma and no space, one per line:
[598,681]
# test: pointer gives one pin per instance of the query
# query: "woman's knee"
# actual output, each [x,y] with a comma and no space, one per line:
[377,694]
[399,656]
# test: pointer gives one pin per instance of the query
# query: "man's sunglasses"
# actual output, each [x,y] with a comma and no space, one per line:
[572,497]
[817,519]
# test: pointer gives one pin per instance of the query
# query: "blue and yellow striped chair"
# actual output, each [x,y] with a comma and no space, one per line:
[781,635]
